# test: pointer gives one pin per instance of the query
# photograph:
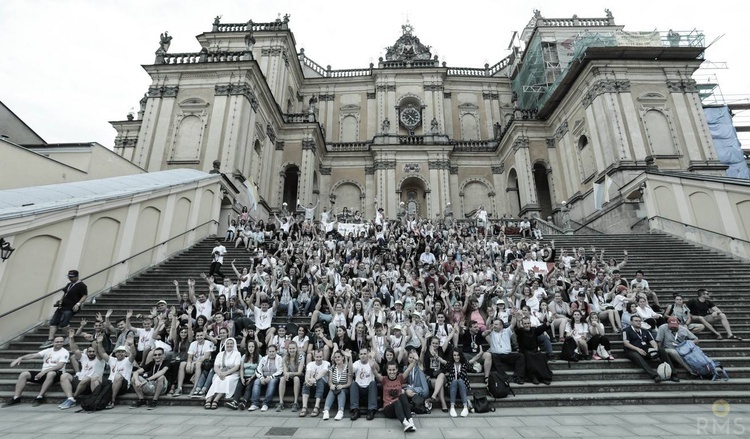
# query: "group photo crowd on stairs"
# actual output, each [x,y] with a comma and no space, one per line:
[343,316]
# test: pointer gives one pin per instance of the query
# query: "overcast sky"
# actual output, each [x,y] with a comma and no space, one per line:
[69,67]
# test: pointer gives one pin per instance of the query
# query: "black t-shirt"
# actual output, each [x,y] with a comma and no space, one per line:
[73,293]
[152,368]
[470,342]
[317,342]
[640,340]
[698,308]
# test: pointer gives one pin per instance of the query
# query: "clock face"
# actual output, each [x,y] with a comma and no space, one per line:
[410,116]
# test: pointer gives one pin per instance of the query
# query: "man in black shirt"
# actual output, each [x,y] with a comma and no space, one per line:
[637,342]
[537,368]
[74,294]
[151,380]
[705,312]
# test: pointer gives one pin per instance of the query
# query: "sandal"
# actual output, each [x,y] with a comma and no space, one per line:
[303,412]
[315,412]
[214,405]
[207,406]
[719,337]
[734,337]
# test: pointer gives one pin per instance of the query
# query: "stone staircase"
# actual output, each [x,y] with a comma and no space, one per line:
[670,265]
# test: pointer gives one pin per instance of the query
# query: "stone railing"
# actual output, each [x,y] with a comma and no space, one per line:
[257,27]
[576,22]
[499,66]
[196,58]
[299,117]
[474,145]
[411,140]
[408,64]
[349,73]
[347,146]
[467,71]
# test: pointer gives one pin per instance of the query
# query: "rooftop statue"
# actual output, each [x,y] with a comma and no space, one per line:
[164,41]
[408,47]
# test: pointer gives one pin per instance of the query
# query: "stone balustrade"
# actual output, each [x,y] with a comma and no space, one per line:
[256,27]
[474,145]
[466,71]
[196,58]
[299,117]
[347,146]
[576,22]
[411,140]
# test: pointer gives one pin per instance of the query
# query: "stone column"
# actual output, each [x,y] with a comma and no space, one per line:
[307,168]
[216,127]
[163,128]
[525,176]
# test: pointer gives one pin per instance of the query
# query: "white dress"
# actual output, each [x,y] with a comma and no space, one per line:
[225,360]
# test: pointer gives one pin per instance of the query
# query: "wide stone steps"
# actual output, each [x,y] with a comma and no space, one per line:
[670,265]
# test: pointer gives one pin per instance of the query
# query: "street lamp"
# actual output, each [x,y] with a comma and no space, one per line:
[5,249]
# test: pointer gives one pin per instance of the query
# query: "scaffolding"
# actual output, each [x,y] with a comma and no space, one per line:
[549,54]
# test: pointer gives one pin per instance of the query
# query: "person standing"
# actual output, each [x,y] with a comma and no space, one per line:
[218,259]
[74,294]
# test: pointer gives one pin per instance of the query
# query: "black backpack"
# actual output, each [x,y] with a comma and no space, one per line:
[418,405]
[99,398]
[481,404]
[498,385]
[569,350]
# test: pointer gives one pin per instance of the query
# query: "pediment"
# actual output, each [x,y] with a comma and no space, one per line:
[350,108]
[193,103]
[468,106]
[652,97]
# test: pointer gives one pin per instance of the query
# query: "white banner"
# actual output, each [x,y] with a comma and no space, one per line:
[346,228]
[539,267]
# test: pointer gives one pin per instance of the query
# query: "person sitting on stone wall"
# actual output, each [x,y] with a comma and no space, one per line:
[706,313]
[54,360]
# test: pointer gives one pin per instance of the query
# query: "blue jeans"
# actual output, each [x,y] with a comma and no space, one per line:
[270,391]
[460,386]
[291,307]
[205,379]
[545,341]
[320,388]
[341,397]
[372,395]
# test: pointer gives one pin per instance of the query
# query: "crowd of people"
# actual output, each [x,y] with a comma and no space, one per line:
[367,317]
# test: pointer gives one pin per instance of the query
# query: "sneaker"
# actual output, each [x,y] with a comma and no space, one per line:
[196,394]
[253,408]
[39,400]
[242,405]
[151,404]
[465,412]
[411,424]
[68,403]
[354,414]
[453,412]
[264,408]
[13,401]
[339,415]
[202,392]
[46,344]
[326,415]
[596,357]
[232,405]
[279,406]
[295,407]
[177,392]
[110,406]
[370,415]
[138,403]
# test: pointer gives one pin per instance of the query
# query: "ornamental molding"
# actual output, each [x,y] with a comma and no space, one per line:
[164,91]
[521,142]
[390,88]
[498,169]
[490,95]
[605,86]
[371,95]
[454,170]
[324,170]
[562,129]
[412,167]
[380,88]
[439,164]
[369,170]
[327,97]
[447,95]
[551,142]
[125,142]
[308,144]
[350,108]
[384,164]
[271,133]
[433,87]
[238,90]
[259,131]
[280,145]
[683,86]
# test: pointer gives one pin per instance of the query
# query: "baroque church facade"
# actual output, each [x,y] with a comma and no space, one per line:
[578,103]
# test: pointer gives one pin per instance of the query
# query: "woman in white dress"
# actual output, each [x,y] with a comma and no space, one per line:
[227,369]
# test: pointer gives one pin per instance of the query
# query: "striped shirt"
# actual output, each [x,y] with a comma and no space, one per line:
[339,377]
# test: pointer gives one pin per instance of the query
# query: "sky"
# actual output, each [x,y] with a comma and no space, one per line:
[71,66]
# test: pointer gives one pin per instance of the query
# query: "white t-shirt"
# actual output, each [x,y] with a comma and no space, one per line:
[199,350]
[124,368]
[90,368]
[203,309]
[220,257]
[362,373]
[314,369]
[230,291]
[145,338]
[263,320]
[51,358]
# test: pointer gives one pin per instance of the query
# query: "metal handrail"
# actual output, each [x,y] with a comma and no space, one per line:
[107,268]
[734,238]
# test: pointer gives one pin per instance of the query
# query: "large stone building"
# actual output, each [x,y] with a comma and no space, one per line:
[578,101]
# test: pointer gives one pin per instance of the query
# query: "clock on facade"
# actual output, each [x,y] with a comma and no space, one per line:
[410,117]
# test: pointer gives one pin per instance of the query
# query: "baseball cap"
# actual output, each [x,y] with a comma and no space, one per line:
[396,327]
[121,348]
[673,322]
[416,314]
[398,302]
[73,273]
[161,301]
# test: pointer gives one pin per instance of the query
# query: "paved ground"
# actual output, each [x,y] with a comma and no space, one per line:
[719,421]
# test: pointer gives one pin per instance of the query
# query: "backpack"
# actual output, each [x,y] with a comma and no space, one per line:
[418,405]
[699,363]
[481,404]
[569,351]
[99,398]
[498,385]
